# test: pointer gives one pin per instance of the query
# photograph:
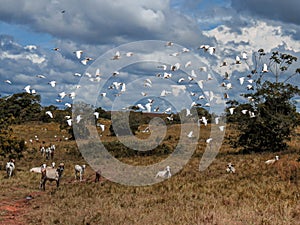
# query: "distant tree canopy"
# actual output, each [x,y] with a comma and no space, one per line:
[267,121]
[14,109]
[20,107]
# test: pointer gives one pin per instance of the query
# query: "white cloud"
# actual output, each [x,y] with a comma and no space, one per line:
[34,58]
[259,35]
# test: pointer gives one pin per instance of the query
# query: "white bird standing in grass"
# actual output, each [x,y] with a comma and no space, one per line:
[102,126]
[221,128]
[190,135]
[272,161]
[208,140]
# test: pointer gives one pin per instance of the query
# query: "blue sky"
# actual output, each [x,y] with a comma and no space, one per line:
[29,30]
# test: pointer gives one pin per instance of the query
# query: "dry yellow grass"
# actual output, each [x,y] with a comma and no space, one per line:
[255,194]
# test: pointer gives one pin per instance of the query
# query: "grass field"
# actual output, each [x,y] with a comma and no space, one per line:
[255,194]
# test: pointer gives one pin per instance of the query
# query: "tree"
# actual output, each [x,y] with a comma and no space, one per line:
[21,107]
[267,120]
[14,109]
[126,122]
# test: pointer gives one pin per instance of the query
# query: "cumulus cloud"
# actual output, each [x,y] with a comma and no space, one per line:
[102,21]
[285,11]
[98,26]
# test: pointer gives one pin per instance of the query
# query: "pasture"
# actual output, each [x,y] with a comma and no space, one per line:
[255,194]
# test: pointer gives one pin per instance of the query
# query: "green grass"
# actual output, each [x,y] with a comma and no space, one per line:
[256,194]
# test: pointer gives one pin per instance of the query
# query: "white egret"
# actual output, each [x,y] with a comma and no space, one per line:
[40,76]
[52,83]
[190,134]
[237,60]
[117,56]
[265,68]
[27,89]
[272,161]
[8,81]
[78,53]
[231,110]
[49,113]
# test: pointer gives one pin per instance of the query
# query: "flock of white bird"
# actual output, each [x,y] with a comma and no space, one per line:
[165,74]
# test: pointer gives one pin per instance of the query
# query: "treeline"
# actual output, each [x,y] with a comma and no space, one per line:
[24,107]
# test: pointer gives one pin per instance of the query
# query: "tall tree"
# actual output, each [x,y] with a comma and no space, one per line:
[267,121]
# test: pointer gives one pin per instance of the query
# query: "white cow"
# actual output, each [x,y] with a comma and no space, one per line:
[10,167]
[166,173]
[50,174]
[79,169]
[230,168]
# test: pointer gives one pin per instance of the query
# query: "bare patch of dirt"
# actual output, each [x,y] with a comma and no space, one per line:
[12,210]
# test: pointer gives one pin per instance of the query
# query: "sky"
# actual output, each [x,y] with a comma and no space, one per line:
[31,30]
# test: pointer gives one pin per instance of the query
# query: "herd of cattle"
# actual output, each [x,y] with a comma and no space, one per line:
[53,173]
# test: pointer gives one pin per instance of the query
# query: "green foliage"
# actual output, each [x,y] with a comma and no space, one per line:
[18,108]
[21,107]
[103,114]
[268,120]
[119,150]
[127,122]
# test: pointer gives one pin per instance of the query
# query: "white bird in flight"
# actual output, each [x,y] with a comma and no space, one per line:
[175,67]
[242,79]
[78,53]
[244,55]
[117,56]
[231,110]
[52,83]
[27,89]
[49,113]
[86,60]
[237,60]
[68,105]
[265,68]
[40,76]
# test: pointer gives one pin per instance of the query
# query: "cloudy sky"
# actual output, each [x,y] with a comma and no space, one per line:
[31,30]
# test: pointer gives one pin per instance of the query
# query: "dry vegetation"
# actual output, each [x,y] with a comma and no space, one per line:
[255,194]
